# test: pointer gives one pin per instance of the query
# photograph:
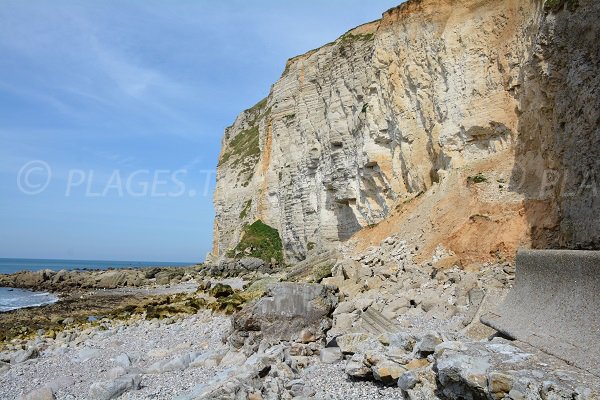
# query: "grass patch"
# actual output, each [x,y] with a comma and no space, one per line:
[246,208]
[258,106]
[244,147]
[479,178]
[321,271]
[258,288]
[241,147]
[351,37]
[310,245]
[262,240]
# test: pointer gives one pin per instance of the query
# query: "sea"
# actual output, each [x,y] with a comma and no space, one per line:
[12,298]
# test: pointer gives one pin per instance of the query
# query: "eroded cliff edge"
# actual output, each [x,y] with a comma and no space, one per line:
[471,123]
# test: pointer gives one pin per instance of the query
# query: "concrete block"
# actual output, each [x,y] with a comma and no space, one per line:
[555,305]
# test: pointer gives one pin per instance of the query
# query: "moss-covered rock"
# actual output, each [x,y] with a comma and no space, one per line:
[261,241]
[221,290]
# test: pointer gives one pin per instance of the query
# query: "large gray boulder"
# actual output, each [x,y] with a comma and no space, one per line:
[43,393]
[287,309]
[112,389]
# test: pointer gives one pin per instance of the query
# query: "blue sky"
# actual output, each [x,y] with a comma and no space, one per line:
[117,96]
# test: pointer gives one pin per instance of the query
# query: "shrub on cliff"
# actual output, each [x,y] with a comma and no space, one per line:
[558,5]
[261,241]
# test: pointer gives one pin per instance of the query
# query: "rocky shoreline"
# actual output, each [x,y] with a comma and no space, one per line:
[377,325]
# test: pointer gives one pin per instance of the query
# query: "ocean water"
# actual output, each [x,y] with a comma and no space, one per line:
[11,299]
[12,265]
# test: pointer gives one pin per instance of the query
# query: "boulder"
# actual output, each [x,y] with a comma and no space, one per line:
[44,393]
[288,309]
[396,307]
[24,355]
[178,363]
[387,372]
[166,276]
[357,367]
[4,367]
[428,343]
[87,353]
[116,372]
[232,358]
[408,380]
[123,360]
[502,369]
[331,355]
[60,382]
[306,336]
[209,359]
[112,389]
[257,375]
[221,290]
[344,307]
[358,343]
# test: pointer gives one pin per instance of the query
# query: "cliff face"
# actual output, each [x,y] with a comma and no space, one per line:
[357,128]
[557,165]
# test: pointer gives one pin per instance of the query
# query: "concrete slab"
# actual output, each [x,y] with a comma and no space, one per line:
[555,305]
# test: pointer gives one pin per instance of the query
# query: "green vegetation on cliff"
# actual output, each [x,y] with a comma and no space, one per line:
[262,241]
[246,208]
[349,37]
[244,145]
[557,5]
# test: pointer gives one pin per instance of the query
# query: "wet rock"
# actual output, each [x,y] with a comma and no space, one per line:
[221,290]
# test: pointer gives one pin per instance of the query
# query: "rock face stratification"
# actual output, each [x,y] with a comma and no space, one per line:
[383,113]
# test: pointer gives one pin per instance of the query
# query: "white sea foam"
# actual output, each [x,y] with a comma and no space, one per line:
[12,299]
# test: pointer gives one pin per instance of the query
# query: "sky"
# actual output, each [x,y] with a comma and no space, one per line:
[112,113]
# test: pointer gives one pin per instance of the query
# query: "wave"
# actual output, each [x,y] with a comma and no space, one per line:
[12,299]
[41,294]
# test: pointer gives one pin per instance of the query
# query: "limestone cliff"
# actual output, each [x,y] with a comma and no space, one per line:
[358,128]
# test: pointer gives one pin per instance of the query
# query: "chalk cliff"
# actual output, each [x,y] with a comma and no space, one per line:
[472,99]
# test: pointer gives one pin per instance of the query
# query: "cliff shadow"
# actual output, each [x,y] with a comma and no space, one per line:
[557,155]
